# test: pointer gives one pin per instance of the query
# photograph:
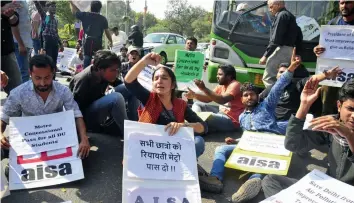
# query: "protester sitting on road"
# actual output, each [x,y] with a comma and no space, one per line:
[334,130]
[161,106]
[77,62]
[226,116]
[89,87]
[289,100]
[133,102]
[123,55]
[42,96]
[256,117]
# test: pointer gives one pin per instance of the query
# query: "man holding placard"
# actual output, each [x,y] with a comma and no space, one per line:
[42,96]
[227,94]
[334,130]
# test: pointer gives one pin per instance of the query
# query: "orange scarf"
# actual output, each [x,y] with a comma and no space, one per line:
[153,108]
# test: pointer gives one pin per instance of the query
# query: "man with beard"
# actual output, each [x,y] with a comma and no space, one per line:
[256,117]
[42,96]
[337,131]
[227,94]
[329,94]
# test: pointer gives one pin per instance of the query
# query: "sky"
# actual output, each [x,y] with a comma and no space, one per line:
[158,7]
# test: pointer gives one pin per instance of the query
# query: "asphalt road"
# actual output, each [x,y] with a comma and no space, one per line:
[103,174]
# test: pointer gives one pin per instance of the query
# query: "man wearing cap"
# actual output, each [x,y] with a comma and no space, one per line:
[133,102]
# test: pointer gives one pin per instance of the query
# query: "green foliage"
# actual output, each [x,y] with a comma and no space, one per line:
[64,13]
[67,32]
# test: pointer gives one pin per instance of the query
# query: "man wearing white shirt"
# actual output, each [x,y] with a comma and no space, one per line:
[119,37]
[77,61]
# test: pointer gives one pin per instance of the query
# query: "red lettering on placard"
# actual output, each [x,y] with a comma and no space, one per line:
[44,157]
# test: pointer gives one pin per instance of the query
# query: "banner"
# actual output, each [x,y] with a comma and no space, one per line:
[338,41]
[155,162]
[315,187]
[43,151]
[83,5]
[145,77]
[309,27]
[347,67]
[260,153]
[189,65]
[64,59]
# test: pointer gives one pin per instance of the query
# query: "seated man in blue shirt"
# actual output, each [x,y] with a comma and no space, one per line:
[256,117]
[42,96]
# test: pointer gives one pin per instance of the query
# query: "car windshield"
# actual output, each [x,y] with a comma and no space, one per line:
[155,38]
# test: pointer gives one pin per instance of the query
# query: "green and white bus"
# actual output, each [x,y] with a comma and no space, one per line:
[240,38]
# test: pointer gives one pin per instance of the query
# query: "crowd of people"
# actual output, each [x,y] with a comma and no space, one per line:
[106,92]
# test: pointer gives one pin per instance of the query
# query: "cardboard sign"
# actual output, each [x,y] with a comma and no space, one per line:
[338,41]
[189,65]
[309,27]
[315,187]
[64,59]
[48,156]
[347,67]
[83,5]
[260,153]
[155,162]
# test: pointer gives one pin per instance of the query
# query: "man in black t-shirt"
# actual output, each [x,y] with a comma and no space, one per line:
[93,24]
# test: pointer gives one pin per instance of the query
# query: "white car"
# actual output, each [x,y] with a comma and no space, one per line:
[165,44]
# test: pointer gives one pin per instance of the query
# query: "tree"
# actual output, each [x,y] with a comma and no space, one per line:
[64,13]
[181,15]
[202,26]
[151,20]
[160,26]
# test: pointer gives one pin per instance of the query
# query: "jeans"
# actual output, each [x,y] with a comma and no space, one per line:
[36,45]
[282,126]
[222,153]
[23,63]
[133,102]
[273,184]
[111,105]
[199,145]
[217,122]
[87,60]
[10,67]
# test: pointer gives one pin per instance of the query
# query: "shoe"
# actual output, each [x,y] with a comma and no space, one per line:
[201,171]
[247,191]
[210,184]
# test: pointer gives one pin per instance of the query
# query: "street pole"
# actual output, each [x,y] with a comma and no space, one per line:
[144,19]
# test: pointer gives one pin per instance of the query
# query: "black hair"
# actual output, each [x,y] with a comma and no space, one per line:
[96,6]
[42,61]
[228,70]
[346,91]
[115,29]
[300,72]
[50,3]
[284,65]
[247,86]
[104,59]
[124,48]
[193,39]
[172,76]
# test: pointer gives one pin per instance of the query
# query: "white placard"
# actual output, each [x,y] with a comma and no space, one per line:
[338,41]
[83,5]
[148,188]
[145,77]
[4,185]
[264,163]
[315,187]
[263,143]
[47,168]
[160,157]
[64,59]
[309,27]
[155,195]
[35,134]
[347,67]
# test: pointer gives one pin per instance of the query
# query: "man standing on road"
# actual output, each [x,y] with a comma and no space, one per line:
[42,96]
[9,18]
[136,37]
[329,94]
[284,35]
[94,24]
[36,31]
[119,37]
[23,40]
